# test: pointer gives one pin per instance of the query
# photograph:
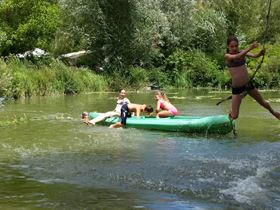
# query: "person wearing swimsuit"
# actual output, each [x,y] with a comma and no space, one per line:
[126,110]
[236,63]
[163,107]
[117,111]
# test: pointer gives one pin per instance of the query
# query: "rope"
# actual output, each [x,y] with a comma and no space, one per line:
[264,39]
[261,62]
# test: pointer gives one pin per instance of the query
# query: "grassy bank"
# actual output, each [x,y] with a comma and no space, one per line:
[183,69]
[24,79]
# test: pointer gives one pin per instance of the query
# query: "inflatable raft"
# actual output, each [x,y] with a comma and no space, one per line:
[216,124]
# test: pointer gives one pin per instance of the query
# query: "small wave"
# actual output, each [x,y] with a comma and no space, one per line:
[50,181]
[245,191]
[176,97]
[203,97]
[249,189]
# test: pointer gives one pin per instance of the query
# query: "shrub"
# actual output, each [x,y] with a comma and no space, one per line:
[21,79]
[159,77]
[194,69]
[138,77]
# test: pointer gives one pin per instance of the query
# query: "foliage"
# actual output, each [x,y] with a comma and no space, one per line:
[138,77]
[19,79]
[194,69]
[5,80]
[157,76]
[247,18]
[168,42]
[27,24]
[208,31]
[14,121]
[269,75]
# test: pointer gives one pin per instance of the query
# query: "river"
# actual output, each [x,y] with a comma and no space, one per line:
[50,160]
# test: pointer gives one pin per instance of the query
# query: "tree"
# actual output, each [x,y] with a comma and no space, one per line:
[27,24]
[107,27]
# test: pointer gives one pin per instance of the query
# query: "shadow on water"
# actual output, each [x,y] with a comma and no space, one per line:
[58,163]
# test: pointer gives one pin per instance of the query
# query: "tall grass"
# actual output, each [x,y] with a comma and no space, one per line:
[23,79]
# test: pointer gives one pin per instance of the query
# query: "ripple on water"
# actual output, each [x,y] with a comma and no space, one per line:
[245,191]
[194,168]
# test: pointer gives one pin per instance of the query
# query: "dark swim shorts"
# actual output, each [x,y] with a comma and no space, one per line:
[124,114]
[245,88]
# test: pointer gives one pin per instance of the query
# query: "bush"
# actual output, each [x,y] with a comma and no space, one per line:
[5,80]
[159,77]
[268,76]
[194,69]
[138,77]
[21,79]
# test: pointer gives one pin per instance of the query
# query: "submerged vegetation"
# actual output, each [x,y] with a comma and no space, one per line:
[170,43]
[13,121]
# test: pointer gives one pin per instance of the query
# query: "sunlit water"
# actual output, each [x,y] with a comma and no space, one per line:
[50,160]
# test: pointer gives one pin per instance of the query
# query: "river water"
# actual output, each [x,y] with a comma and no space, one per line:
[50,160]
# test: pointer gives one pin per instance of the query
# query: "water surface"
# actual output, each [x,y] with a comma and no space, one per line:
[50,160]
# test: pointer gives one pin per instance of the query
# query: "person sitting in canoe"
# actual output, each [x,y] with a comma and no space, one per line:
[121,100]
[164,108]
[126,112]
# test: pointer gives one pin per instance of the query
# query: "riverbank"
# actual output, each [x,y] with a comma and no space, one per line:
[24,79]
[19,79]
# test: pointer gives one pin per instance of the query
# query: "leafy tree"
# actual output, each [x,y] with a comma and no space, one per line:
[209,31]
[27,24]
[105,25]
[246,18]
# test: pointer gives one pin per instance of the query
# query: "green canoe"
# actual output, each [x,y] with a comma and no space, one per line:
[217,124]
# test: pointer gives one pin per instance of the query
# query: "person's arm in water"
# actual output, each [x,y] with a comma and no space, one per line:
[242,53]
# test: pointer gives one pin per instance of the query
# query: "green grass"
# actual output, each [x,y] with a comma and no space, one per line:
[23,79]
